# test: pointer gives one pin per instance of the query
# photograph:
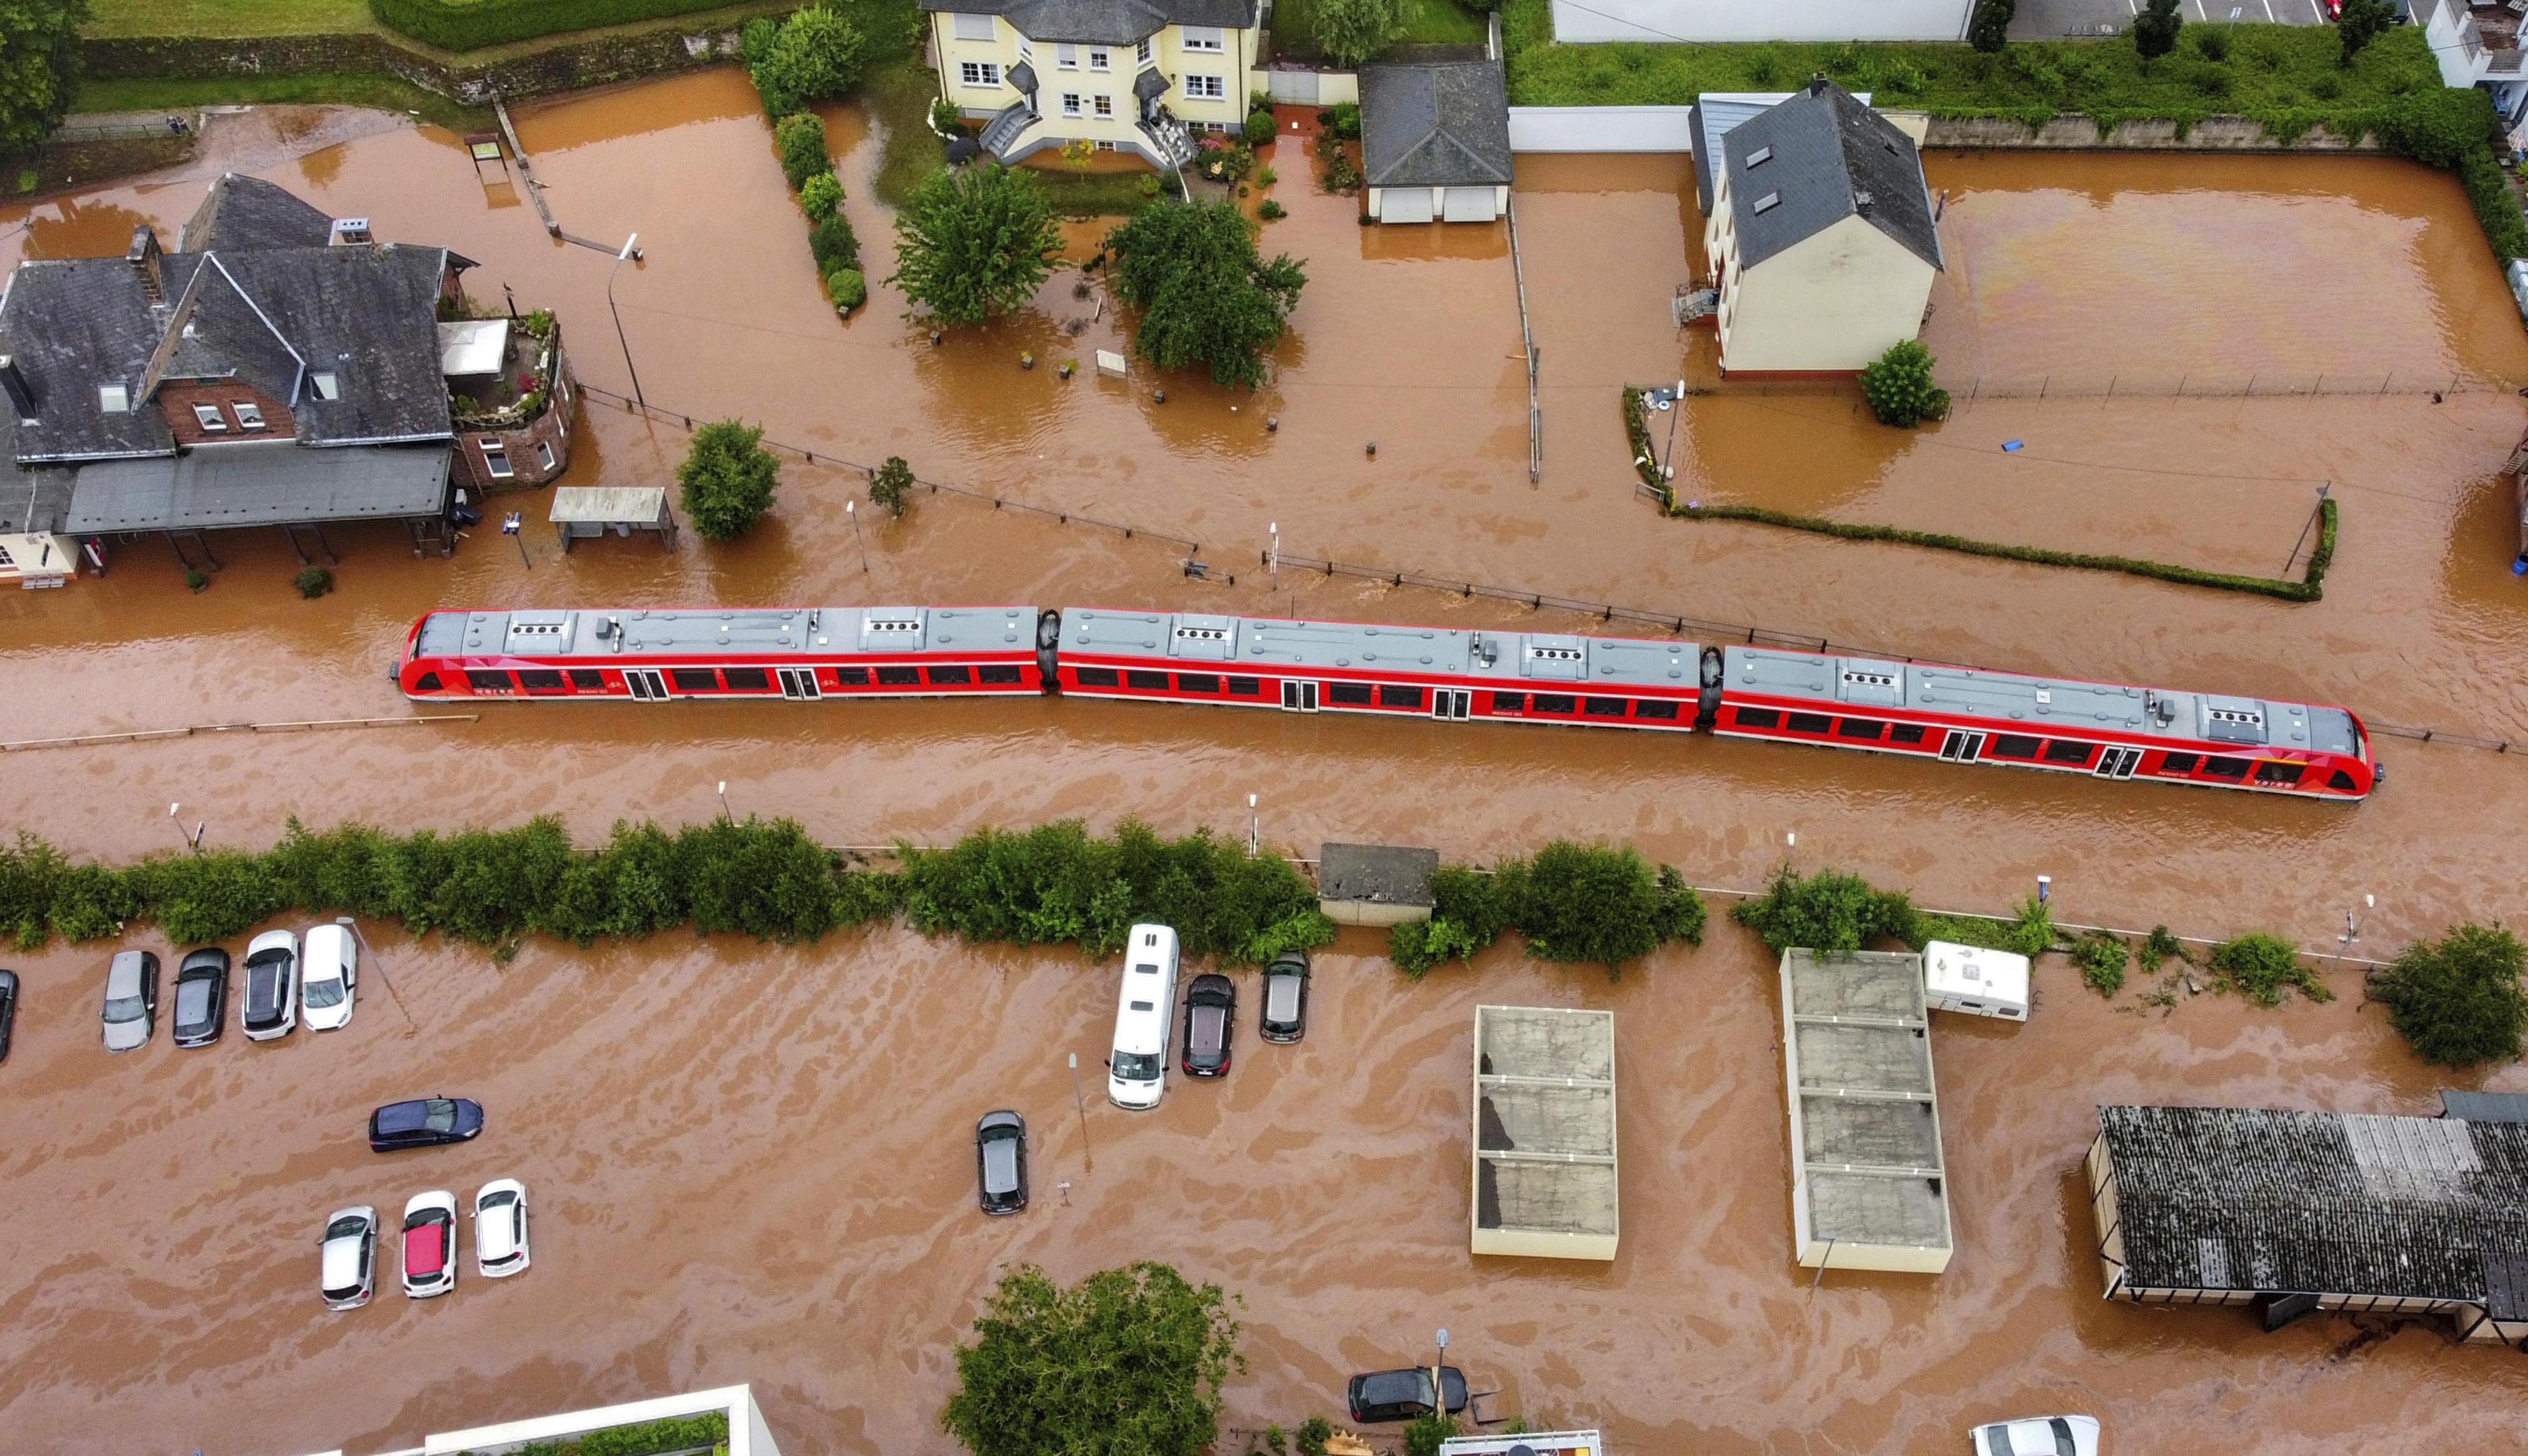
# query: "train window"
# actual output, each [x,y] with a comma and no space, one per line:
[1354,694]
[1757,717]
[2065,750]
[1869,728]
[997,673]
[2271,772]
[428,682]
[1392,697]
[694,679]
[1654,708]
[1555,703]
[2341,782]
[1605,707]
[1155,681]
[488,682]
[1100,677]
[1246,687]
[1904,733]
[588,679]
[951,676]
[851,677]
[1197,682]
[539,680]
[1508,702]
[1810,722]
[899,677]
[2228,768]
[2013,745]
[2180,762]
[745,679]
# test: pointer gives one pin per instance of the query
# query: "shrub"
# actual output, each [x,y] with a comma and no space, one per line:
[1342,120]
[1419,947]
[799,137]
[1259,127]
[1129,1361]
[1824,911]
[2030,933]
[2211,42]
[2456,1000]
[1593,903]
[198,897]
[847,289]
[2438,126]
[194,581]
[822,197]
[834,244]
[1353,31]
[312,583]
[2361,22]
[471,24]
[1271,211]
[974,242]
[2154,29]
[1207,297]
[2160,946]
[729,479]
[652,1437]
[946,119]
[1266,176]
[1424,1433]
[816,55]
[31,871]
[2102,959]
[632,888]
[91,902]
[1310,1438]
[1899,387]
[1988,30]
[769,880]
[892,484]
[2262,967]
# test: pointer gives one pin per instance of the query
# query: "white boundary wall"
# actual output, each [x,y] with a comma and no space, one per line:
[1600,128]
[1783,19]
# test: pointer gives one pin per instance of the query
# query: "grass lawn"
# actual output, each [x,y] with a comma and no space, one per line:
[900,97]
[1093,194]
[116,18]
[2285,77]
[386,92]
[1426,22]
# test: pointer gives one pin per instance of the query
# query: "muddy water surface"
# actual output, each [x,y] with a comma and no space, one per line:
[751,1163]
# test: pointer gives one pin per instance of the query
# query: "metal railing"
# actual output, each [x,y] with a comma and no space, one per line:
[1527,338]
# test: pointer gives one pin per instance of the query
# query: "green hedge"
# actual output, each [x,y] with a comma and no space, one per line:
[648,1438]
[471,24]
[1574,902]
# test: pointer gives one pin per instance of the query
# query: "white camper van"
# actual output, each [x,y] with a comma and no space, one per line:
[1972,979]
[1144,1013]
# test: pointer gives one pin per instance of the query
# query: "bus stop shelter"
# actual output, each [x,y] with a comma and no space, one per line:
[580,512]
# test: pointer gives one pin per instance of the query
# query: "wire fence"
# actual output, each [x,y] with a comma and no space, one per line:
[2189,384]
[144,735]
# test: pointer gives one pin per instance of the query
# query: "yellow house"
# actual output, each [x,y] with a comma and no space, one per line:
[1822,238]
[1131,75]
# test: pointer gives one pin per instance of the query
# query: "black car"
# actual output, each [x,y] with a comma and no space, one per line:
[201,996]
[1402,1394]
[1211,1022]
[1000,1162]
[1286,998]
[8,1009]
[424,1123]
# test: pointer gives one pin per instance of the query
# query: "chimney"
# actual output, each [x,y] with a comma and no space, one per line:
[1818,83]
[22,395]
[143,258]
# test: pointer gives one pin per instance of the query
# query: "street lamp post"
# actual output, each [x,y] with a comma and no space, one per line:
[2351,935]
[628,250]
[1439,1387]
[1081,1104]
[193,838]
[723,801]
[1254,828]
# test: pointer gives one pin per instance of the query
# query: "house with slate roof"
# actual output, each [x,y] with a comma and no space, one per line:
[277,369]
[2292,1213]
[1435,142]
[1135,76]
[1822,238]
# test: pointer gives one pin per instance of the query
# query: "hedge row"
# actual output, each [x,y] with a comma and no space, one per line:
[471,24]
[707,1431]
[1637,430]
[1572,902]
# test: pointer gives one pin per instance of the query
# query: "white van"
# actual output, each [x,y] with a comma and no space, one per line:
[1144,1014]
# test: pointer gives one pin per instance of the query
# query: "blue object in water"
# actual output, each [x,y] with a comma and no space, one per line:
[2012,447]
[2519,567]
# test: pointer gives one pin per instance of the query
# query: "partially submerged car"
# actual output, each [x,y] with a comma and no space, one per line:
[201,996]
[350,1250]
[1211,1024]
[1284,1018]
[501,1228]
[1000,1162]
[1402,1394]
[2037,1435]
[330,976]
[131,1000]
[430,1244]
[8,1009]
[424,1123]
[271,1003]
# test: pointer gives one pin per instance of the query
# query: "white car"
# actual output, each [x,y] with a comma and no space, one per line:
[2037,1435]
[501,1228]
[350,1258]
[430,1244]
[269,1007]
[329,976]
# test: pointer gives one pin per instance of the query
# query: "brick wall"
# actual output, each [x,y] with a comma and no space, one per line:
[177,399]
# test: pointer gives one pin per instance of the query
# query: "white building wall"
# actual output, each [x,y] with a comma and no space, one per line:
[1833,304]
[1781,19]
[1600,128]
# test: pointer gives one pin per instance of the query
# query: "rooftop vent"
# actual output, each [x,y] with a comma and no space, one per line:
[352,230]
[1860,201]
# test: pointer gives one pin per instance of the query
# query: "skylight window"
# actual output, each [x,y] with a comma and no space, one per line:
[328,383]
[208,417]
[1768,204]
[114,400]
[1758,157]
[250,414]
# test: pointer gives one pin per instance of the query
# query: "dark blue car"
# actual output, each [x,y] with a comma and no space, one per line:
[424,1123]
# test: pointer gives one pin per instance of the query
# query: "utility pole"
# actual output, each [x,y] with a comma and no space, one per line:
[629,251]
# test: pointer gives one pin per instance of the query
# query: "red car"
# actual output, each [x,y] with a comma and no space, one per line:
[430,1244]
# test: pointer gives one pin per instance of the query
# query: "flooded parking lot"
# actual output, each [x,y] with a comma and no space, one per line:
[750,1163]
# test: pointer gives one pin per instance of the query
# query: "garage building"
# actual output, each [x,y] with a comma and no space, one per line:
[1435,142]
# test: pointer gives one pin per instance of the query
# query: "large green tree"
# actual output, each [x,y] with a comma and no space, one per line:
[1989,30]
[1351,32]
[2154,31]
[39,69]
[2361,22]
[816,55]
[2458,999]
[729,479]
[1129,1361]
[974,242]
[1207,297]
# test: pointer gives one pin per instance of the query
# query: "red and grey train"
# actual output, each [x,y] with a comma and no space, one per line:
[1953,715]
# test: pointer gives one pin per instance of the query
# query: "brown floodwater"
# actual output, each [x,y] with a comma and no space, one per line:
[750,1163]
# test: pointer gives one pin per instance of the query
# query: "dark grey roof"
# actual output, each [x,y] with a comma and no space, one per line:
[2485,1107]
[1830,157]
[1149,86]
[2318,1203]
[1105,22]
[260,484]
[1376,874]
[1022,78]
[1435,126]
[71,325]
[240,213]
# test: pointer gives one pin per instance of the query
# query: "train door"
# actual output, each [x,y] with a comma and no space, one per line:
[1962,746]
[798,683]
[1452,704]
[647,684]
[2117,764]
[1298,696]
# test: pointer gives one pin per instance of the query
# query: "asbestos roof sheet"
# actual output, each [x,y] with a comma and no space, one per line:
[261,483]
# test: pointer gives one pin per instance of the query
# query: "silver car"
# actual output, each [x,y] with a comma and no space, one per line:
[131,1000]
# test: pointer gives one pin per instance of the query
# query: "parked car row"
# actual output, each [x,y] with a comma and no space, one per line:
[286,979]
[429,1247]
[1145,1024]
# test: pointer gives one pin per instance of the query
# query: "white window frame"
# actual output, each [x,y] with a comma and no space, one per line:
[544,453]
[1105,108]
[1066,56]
[1206,88]
[1141,51]
[966,25]
[114,400]
[1071,103]
[1101,58]
[980,75]
[1210,40]
[249,415]
[326,383]
[495,458]
[208,416]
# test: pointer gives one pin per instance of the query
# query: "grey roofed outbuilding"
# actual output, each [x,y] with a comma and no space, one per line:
[1825,157]
[71,325]
[1104,21]
[1435,125]
[264,482]
[239,213]
[2320,1203]
[1380,874]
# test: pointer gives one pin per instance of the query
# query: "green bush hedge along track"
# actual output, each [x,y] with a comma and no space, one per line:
[471,24]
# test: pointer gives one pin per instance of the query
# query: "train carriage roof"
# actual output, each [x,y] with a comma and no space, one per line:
[1281,644]
[948,631]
